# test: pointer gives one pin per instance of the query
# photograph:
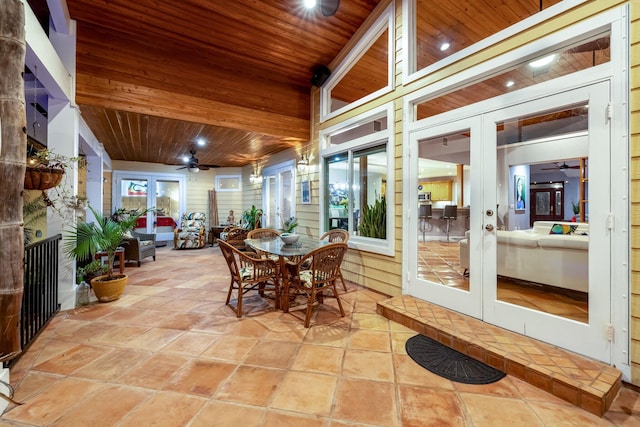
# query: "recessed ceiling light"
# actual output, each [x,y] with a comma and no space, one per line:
[309,3]
[542,61]
[201,142]
[185,159]
[509,83]
[444,46]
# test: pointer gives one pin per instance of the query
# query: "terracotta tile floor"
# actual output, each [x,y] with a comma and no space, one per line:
[170,353]
[439,262]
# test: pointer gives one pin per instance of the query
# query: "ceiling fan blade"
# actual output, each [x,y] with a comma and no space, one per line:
[203,167]
[183,167]
[550,169]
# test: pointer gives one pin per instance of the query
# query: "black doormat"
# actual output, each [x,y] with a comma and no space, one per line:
[449,363]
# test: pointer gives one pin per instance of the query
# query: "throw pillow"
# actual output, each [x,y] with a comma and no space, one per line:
[562,229]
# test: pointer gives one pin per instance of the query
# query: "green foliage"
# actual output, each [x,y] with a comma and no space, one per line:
[373,221]
[251,218]
[576,208]
[289,225]
[94,268]
[32,212]
[85,239]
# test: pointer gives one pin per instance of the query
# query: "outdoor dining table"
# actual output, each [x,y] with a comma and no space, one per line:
[275,246]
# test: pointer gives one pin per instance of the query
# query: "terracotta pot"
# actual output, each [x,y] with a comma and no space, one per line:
[109,290]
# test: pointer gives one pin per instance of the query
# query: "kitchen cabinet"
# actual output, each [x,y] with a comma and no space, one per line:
[440,190]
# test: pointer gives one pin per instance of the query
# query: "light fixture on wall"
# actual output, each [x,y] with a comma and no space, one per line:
[303,163]
[255,178]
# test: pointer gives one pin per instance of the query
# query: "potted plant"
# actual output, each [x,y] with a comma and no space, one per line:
[104,235]
[373,222]
[46,168]
[251,218]
[289,225]
[576,211]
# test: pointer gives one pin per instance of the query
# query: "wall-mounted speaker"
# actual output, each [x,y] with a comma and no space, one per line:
[320,75]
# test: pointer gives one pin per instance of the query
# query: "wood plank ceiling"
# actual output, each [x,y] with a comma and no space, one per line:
[153,76]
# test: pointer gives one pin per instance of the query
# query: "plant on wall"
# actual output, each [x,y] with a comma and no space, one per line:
[373,222]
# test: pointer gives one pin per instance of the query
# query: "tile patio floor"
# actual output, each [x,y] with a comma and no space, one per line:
[170,353]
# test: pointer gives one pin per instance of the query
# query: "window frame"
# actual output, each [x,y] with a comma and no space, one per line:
[230,190]
[384,22]
[410,74]
[386,137]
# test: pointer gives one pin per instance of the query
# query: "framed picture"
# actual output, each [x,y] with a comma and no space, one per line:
[305,187]
[520,193]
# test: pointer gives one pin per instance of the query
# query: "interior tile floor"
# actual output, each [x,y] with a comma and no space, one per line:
[439,262]
[170,353]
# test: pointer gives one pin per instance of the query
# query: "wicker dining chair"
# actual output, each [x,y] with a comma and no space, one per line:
[249,274]
[321,274]
[337,235]
[264,233]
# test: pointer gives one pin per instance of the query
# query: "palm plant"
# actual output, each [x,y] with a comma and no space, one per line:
[103,235]
[251,218]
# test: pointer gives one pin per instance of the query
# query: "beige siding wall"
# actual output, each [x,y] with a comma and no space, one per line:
[635,190]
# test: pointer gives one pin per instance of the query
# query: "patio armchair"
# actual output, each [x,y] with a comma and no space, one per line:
[337,235]
[191,233]
[138,246]
[313,274]
[235,236]
[249,273]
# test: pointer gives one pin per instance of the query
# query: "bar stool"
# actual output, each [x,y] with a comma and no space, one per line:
[424,215]
[450,213]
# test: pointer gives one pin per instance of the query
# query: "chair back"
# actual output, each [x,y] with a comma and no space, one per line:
[193,219]
[425,211]
[325,263]
[337,235]
[450,211]
[262,233]
[229,254]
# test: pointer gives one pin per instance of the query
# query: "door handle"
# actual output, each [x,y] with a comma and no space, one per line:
[489,227]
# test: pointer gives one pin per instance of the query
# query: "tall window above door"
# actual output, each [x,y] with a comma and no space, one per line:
[440,33]
[356,183]
[365,73]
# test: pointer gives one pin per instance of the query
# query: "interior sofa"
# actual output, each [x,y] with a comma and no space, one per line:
[535,255]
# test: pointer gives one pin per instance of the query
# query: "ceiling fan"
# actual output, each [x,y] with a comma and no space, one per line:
[561,167]
[194,166]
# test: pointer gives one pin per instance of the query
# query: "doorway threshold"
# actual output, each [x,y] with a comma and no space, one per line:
[584,382]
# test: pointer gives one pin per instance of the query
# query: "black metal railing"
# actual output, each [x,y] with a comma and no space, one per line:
[40,299]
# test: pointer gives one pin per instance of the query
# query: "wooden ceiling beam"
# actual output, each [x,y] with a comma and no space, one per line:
[117,95]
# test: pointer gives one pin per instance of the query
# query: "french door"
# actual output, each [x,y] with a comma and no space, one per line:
[496,268]
[278,194]
[164,194]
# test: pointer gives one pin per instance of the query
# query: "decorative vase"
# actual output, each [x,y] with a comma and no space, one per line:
[38,178]
[107,290]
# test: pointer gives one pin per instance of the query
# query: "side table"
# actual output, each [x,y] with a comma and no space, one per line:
[214,233]
[119,254]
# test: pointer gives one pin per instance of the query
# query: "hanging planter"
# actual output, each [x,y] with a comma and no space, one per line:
[42,178]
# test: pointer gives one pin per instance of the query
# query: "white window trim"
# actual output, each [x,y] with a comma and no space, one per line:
[387,246]
[276,170]
[151,178]
[230,190]
[409,72]
[384,22]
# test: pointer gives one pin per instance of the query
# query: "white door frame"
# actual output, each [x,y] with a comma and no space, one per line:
[151,178]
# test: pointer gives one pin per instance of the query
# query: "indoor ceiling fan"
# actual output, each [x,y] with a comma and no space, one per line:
[561,167]
[194,166]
